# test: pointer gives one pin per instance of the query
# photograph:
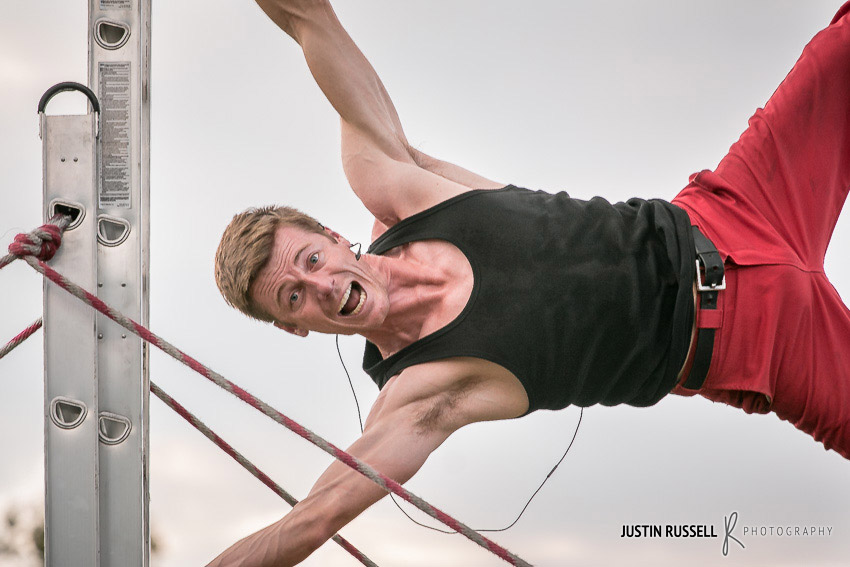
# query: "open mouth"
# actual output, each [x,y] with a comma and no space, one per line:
[352,300]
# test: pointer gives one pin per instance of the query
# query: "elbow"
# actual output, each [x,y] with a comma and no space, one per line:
[293,18]
[422,159]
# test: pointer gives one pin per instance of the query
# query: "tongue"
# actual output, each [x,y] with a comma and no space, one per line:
[353,300]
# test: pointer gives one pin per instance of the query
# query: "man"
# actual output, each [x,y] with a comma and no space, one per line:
[482,301]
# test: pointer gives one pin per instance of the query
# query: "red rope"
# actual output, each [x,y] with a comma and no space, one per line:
[20,337]
[43,242]
[212,436]
[383,481]
[248,465]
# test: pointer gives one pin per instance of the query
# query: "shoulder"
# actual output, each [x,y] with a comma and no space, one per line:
[378,228]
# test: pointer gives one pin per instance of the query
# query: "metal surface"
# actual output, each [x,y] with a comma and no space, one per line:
[112,231]
[701,286]
[113,428]
[71,435]
[67,413]
[62,206]
[119,65]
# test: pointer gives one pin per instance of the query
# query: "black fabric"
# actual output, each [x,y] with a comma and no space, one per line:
[584,302]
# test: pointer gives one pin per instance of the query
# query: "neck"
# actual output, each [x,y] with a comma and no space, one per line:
[415,291]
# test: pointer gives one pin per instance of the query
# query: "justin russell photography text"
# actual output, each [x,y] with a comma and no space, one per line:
[668,530]
[730,533]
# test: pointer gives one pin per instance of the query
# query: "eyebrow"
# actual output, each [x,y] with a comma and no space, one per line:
[298,255]
[280,291]
[294,263]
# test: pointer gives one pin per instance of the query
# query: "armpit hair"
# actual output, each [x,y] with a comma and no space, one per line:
[438,409]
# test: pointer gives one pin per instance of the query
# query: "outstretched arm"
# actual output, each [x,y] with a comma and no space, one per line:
[392,179]
[394,444]
[414,414]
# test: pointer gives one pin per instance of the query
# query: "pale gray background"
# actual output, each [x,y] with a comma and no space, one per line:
[617,99]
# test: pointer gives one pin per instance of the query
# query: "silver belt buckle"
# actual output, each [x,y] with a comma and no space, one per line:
[714,287]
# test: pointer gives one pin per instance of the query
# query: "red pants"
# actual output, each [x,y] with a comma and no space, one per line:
[770,208]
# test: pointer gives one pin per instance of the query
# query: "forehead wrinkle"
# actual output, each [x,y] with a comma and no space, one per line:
[277,274]
[282,269]
[275,266]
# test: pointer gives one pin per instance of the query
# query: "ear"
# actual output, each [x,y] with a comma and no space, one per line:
[337,236]
[291,329]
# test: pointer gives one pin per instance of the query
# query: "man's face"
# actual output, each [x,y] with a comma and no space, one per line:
[312,283]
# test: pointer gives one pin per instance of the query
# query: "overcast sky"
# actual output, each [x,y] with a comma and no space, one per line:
[617,99]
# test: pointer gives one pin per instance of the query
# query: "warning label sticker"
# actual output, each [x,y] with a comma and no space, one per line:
[115,175]
[106,4]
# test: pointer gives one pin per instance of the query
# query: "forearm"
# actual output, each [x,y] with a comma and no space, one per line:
[309,525]
[453,172]
[286,542]
[342,72]
[339,496]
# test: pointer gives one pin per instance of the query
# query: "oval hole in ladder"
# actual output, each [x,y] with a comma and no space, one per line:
[112,428]
[111,34]
[67,413]
[112,231]
[73,210]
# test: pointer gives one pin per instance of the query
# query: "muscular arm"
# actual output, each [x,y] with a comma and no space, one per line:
[414,414]
[392,179]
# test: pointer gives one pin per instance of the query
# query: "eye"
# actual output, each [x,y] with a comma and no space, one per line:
[314,259]
[293,297]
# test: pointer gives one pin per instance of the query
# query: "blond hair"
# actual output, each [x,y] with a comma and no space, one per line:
[246,246]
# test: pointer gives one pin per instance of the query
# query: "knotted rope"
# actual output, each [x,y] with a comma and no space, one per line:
[42,242]
[381,480]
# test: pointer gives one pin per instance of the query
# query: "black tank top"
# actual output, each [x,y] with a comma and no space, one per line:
[584,302]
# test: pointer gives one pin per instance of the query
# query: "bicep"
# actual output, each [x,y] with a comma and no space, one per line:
[414,414]
[393,444]
[391,184]
[454,172]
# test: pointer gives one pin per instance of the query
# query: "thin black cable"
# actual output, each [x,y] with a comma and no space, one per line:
[350,383]
[451,532]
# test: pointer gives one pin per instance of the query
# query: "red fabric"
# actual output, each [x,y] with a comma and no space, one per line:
[770,208]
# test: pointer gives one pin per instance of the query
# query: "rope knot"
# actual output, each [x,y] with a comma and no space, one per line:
[42,242]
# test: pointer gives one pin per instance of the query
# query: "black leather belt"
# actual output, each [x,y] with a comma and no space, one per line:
[711,280]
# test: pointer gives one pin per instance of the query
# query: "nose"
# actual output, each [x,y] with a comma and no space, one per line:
[323,284]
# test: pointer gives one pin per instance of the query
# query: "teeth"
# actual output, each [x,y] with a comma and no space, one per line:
[345,298]
[360,304]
